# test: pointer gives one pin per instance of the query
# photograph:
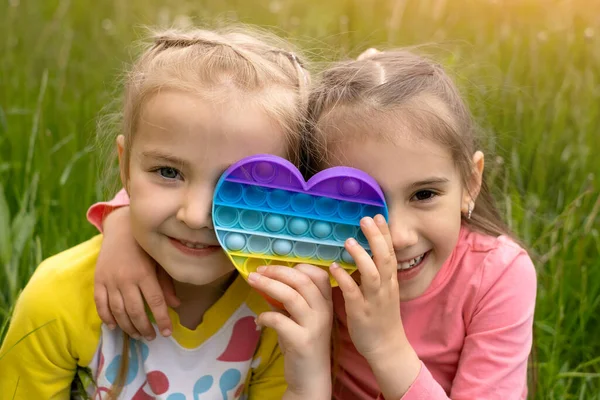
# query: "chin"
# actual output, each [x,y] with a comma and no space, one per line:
[194,279]
[197,279]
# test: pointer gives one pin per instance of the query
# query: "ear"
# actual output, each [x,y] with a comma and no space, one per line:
[122,162]
[471,192]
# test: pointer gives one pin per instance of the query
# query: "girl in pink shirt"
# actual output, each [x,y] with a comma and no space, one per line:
[445,307]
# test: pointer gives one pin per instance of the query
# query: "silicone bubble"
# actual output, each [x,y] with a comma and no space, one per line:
[278,199]
[350,187]
[320,229]
[250,219]
[298,226]
[362,240]
[255,195]
[327,253]
[302,203]
[274,222]
[305,249]
[230,192]
[235,241]
[326,206]
[226,216]
[371,211]
[264,212]
[258,244]
[349,210]
[264,172]
[282,247]
[342,232]
[251,264]
[346,257]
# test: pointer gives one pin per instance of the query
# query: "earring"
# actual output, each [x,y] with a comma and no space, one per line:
[470,210]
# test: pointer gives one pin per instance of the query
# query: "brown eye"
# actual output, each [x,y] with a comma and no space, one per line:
[423,195]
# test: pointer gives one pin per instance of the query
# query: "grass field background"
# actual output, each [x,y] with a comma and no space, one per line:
[530,68]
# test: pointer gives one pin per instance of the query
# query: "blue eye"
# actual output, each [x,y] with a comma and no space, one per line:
[168,172]
[423,195]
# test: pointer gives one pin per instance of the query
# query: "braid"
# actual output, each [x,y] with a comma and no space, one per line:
[176,39]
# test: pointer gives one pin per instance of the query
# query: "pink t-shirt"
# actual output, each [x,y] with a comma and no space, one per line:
[472,328]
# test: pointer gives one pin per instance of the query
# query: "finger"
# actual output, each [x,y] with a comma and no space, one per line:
[168,289]
[117,307]
[381,247]
[156,302]
[285,327]
[353,296]
[101,300]
[136,310]
[355,275]
[384,229]
[299,281]
[369,275]
[293,301]
[319,276]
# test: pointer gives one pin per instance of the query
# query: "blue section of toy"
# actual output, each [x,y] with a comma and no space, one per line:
[253,220]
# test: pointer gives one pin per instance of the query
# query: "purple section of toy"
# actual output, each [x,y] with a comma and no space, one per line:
[269,171]
[341,183]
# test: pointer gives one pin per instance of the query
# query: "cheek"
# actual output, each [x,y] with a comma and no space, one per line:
[150,203]
[445,226]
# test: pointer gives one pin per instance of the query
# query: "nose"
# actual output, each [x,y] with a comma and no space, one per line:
[195,209]
[402,229]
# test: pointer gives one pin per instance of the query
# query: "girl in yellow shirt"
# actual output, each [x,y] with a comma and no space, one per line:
[194,103]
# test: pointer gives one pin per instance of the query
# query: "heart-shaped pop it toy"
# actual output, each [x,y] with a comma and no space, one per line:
[265,213]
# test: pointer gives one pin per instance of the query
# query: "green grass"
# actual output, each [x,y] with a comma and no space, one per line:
[531,69]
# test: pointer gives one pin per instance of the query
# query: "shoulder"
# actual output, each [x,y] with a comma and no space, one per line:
[78,261]
[60,295]
[65,279]
[499,264]
[495,255]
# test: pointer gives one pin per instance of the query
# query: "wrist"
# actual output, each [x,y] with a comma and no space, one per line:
[315,385]
[395,369]
[389,350]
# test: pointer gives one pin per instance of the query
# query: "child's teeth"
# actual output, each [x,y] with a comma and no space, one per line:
[416,260]
[411,263]
[194,246]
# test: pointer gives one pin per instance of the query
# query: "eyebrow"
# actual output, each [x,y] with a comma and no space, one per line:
[164,157]
[429,182]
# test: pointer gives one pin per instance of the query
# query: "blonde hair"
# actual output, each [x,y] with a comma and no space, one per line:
[264,68]
[399,85]
[205,62]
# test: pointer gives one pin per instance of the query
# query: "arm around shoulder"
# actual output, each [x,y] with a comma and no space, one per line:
[98,211]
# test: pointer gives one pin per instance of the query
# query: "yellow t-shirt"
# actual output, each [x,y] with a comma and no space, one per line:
[55,329]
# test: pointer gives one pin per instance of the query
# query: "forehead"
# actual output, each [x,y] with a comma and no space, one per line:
[193,125]
[394,154]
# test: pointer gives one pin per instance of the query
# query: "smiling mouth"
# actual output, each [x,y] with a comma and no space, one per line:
[412,263]
[196,249]
[194,245]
